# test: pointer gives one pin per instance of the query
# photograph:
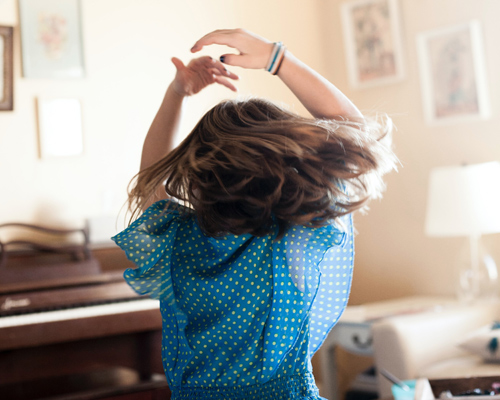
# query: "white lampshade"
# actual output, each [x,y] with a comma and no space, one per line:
[464,201]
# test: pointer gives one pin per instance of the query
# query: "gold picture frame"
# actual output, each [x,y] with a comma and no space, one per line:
[6,68]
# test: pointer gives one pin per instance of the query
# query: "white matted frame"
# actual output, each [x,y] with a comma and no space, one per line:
[453,74]
[51,39]
[372,37]
[60,127]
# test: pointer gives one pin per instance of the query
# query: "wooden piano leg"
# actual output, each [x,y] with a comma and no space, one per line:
[148,354]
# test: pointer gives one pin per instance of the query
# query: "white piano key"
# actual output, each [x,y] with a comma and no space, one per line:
[79,312]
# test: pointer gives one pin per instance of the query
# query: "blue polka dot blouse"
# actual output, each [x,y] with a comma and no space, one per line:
[242,315]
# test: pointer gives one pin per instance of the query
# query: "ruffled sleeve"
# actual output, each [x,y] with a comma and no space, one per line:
[148,242]
[312,272]
[336,268]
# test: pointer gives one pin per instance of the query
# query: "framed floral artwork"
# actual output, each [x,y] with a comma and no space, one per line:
[51,39]
[453,74]
[6,69]
[372,38]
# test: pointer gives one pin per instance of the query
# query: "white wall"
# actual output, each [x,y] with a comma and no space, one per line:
[394,257]
[128,46]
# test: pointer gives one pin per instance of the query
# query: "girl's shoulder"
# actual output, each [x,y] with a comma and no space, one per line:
[334,233]
[160,216]
[168,207]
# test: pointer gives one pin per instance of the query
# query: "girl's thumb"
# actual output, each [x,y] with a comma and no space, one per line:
[178,63]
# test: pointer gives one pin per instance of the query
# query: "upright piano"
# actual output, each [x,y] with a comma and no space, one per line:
[71,328]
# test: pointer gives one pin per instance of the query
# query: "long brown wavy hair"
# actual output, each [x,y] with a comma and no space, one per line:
[249,164]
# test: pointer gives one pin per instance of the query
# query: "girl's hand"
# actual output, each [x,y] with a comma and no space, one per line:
[255,51]
[200,73]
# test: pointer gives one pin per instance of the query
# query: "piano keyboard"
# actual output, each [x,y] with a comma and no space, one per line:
[79,312]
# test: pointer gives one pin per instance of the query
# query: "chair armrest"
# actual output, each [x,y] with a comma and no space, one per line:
[404,345]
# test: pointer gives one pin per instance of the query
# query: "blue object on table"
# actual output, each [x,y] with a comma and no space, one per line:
[493,345]
[400,394]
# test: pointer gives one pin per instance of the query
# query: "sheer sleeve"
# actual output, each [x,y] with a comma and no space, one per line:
[312,272]
[336,267]
[148,242]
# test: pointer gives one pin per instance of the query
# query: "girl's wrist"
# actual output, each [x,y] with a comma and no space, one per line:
[177,92]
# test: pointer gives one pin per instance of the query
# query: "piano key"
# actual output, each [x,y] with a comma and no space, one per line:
[52,298]
[52,327]
[79,312]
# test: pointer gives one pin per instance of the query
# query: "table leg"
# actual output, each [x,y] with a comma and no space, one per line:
[329,374]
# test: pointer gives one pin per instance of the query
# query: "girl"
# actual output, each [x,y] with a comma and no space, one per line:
[254,269]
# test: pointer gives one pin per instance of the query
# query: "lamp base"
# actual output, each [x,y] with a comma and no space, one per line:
[477,273]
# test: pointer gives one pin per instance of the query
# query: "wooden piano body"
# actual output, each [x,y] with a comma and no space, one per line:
[87,336]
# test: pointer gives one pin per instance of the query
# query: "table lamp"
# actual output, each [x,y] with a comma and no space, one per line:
[465,201]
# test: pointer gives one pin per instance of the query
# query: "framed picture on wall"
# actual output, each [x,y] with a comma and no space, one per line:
[6,69]
[51,39]
[372,37]
[453,74]
[60,127]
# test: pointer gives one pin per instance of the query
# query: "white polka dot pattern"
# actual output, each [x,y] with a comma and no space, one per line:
[238,310]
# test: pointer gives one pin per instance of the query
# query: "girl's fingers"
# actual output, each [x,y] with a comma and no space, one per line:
[223,81]
[222,37]
[206,69]
[219,67]
[206,61]
[243,60]
[230,75]
[254,51]
[233,59]
[215,65]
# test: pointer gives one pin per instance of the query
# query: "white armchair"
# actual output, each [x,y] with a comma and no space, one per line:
[423,345]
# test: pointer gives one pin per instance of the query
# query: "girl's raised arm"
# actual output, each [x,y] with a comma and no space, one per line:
[189,80]
[320,97]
